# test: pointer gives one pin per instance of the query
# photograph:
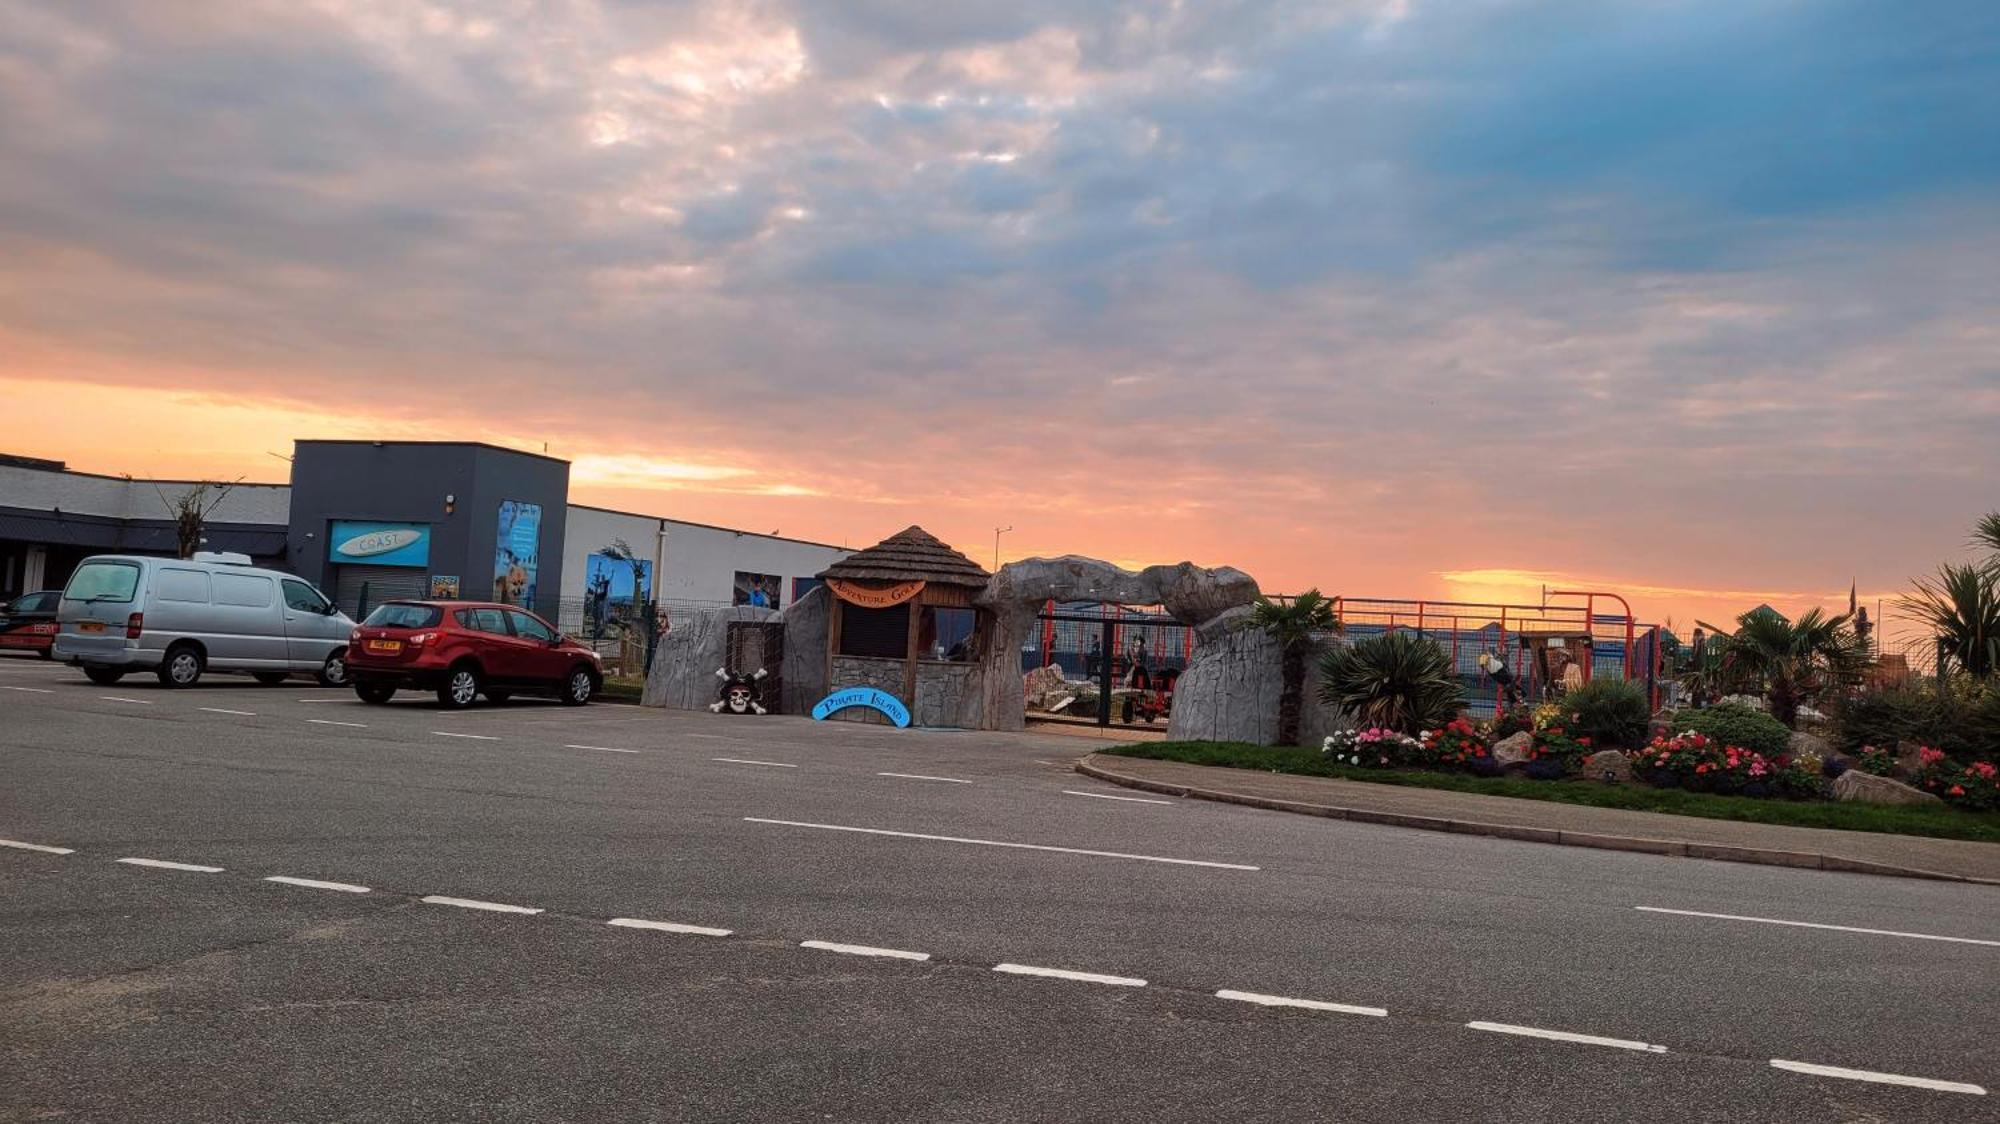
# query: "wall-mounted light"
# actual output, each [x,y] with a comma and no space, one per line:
[450,503]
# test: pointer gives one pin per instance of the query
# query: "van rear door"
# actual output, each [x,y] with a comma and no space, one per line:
[96,605]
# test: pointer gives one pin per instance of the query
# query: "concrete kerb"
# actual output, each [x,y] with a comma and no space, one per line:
[1670,847]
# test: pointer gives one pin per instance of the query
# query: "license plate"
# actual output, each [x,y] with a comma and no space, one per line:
[384,645]
[90,626]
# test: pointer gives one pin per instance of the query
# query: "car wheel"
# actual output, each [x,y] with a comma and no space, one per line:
[374,694]
[269,678]
[334,673]
[498,696]
[182,667]
[578,688]
[103,676]
[461,686]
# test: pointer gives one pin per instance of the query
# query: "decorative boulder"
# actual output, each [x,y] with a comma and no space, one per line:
[1909,759]
[1044,685]
[1801,743]
[1513,749]
[1866,788]
[1608,765]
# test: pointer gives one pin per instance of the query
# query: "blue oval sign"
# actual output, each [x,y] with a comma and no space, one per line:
[890,706]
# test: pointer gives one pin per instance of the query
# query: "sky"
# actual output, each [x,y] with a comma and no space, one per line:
[1695,300]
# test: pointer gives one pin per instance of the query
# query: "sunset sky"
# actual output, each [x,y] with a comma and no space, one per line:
[1694,299]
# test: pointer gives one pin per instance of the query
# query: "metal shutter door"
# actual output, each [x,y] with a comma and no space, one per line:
[377,584]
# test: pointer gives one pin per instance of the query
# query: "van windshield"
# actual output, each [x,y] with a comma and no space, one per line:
[399,615]
[103,581]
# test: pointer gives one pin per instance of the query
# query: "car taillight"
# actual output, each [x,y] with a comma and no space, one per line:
[354,637]
[134,624]
[419,639]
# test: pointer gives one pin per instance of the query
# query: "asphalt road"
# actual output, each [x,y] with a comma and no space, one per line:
[141,992]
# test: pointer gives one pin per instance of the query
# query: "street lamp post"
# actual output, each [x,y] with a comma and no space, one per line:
[997,532]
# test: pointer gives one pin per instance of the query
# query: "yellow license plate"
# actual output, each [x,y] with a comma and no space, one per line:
[90,626]
[385,645]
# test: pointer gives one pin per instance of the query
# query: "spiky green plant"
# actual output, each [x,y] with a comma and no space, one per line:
[1398,681]
[1961,608]
[1794,662]
[1296,625]
[1986,533]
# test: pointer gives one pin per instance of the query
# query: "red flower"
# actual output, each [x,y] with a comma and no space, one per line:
[1957,790]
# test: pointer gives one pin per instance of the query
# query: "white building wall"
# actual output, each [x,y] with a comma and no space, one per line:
[80,493]
[701,561]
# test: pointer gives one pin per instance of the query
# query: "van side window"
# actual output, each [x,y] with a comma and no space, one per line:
[184,585]
[302,597]
[245,590]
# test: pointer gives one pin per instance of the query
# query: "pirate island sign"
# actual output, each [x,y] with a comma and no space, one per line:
[891,707]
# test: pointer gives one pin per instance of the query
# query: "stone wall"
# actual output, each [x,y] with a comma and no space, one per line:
[885,676]
[683,672]
[805,623]
[947,695]
[1230,690]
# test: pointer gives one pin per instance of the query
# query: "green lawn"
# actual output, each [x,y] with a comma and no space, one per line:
[1937,822]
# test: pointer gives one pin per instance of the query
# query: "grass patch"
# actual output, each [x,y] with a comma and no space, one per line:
[1936,821]
[622,689]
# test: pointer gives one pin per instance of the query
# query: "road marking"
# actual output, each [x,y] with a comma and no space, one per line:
[221,710]
[331,722]
[745,761]
[320,700]
[1000,843]
[865,950]
[1566,1036]
[165,865]
[601,748]
[30,690]
[44,848]
[1108,796]
[669,927]
[1066,974]
[316,884]
[123,699]
[474,903]
[1308,1004]
[922,777]
[1879,1078]
[474,737]
[1816,925]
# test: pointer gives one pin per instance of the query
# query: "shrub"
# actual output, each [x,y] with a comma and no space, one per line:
[1700,763]
[1511,721]
[1902,714]
[1610,712]
[1397,681]
[1738,726]
[1374,748]
[1457,745]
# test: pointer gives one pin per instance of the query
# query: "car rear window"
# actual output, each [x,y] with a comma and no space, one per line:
[398,615]
[103,581]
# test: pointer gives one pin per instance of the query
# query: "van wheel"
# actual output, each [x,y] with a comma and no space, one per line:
[103,676]
[334,672]
[182,667]
[578,688]
[374,694]
[461,686]
[269,678]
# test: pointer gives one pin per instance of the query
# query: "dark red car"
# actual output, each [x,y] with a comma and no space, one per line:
[464,649]
[28,623]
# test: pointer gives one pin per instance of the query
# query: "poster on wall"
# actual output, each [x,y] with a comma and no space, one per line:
[444,587]
[615,591]
[516,552]
[759,591]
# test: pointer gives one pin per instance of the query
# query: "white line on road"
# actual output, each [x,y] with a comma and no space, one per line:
[165,865]
[1000,843]
[30,690]
[1066,974]
[1566,1036]
[316,884]
[601,748]
[37,847]
[1879,1078]
[474,903]
[1815,925]
[1308,1004]
[474,737]
[669,927]
[922,777]
[222,710]
[1108,796]
[865,950]
[123,699]
[331,722]
[743,761]
[320,700]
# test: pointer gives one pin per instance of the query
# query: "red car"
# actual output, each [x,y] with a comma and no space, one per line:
[463,649]
[28,624]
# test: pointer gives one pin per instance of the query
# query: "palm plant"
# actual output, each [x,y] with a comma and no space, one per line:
[1398,681]
[1961,607]
[1986,533]
[1793,661]
[1297,626]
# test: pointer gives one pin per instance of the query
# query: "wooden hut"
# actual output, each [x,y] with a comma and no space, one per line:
[904,622]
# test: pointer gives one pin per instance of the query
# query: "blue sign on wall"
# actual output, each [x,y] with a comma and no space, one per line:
[883,701]
[363,543]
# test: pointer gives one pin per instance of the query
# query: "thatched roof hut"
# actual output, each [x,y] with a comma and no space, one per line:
[910,555]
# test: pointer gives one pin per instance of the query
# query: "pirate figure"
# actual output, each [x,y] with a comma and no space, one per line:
[739,694]
[1510,690]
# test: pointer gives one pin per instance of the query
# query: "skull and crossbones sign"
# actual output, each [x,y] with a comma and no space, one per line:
[739,694]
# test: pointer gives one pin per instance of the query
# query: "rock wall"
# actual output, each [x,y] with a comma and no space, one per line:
[806,622]
[885,676]
[683,673]
[948,695]
[1230,690]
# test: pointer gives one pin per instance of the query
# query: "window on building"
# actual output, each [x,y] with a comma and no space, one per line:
[880,633]
[947,633]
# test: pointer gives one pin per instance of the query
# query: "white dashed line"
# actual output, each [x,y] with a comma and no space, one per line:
[745,761]
[1108,796]
[922,777]
[319,700]
[865,950]
[1066,974]
[669,927]
[221,710]
[1566,1036]
[316,884]
[331,722]
[1815,925]
[1001,843]
[44,848]
[1308,1004]
[474,737]
[601,748]
[163,864]
[1879,1078]
[123,699]
[30,690]
[474,903]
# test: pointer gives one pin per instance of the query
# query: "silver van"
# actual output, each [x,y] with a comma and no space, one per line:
[179,618]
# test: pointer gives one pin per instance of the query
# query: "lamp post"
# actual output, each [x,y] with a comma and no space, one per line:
[997,532]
